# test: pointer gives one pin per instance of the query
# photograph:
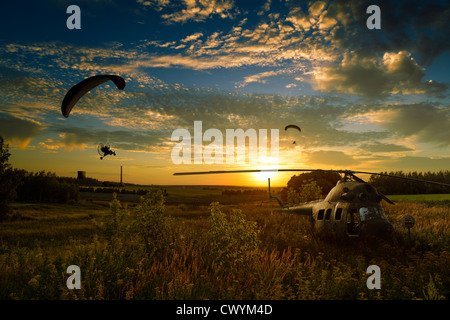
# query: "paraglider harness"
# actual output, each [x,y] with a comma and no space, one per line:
[107,151]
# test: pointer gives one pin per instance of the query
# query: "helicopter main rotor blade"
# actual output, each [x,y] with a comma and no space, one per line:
[404,178]
[386,198]
[246,171]
[348,172]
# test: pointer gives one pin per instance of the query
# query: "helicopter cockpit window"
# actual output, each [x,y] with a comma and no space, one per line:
[369,213]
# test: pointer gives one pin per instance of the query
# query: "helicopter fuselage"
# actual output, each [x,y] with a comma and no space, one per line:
[351,209]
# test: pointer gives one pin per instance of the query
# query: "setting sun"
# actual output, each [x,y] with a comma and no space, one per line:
[265,163]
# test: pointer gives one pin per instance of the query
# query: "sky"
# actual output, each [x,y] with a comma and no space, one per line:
[365,99]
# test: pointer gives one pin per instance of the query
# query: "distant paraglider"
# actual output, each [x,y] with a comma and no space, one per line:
[293,126]
[78,90]
[104,150]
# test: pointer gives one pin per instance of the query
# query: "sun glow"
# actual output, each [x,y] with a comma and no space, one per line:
[266,163]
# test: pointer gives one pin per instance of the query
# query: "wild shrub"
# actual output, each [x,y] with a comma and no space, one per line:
[113,224]
[151,224]
[293,197]
[308,191]
[233,240]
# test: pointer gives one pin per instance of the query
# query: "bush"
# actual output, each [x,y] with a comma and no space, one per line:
[233,239]
[308,191]
[151,225]
[113,224]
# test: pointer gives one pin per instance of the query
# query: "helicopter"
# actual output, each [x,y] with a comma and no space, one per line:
[352,208]
[104,150]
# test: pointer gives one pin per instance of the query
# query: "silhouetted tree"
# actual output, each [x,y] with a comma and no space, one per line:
[391,185]
[323,180]
[8,180]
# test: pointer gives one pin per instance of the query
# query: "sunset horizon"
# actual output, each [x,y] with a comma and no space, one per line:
[364,100]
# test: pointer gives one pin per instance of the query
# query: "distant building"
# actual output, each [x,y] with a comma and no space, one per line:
[81,175]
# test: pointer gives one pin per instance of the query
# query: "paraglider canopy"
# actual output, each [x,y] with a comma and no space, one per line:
[293,126]
[78,90]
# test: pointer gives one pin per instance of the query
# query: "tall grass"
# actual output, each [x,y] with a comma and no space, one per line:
[247,253]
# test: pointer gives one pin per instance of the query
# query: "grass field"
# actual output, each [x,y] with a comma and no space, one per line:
[185,195]
[193,251]
[420,198]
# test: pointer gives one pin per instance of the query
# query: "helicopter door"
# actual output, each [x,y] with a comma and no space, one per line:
[353,222]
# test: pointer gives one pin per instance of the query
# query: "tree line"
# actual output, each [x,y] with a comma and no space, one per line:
[21,185]
[391,185]
[316,184]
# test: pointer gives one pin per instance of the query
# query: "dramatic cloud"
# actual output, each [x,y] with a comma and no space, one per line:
[394,73]
[330,158]
[424,122]
[260,77]
[414,26]
[412,163]
[15,130]
[191,10]
[77,137]
[373,64]
[378,147]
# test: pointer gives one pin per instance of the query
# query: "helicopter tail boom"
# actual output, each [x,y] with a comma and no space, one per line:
[300,210]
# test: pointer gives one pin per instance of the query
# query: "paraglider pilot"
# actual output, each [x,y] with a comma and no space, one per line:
[106,151]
